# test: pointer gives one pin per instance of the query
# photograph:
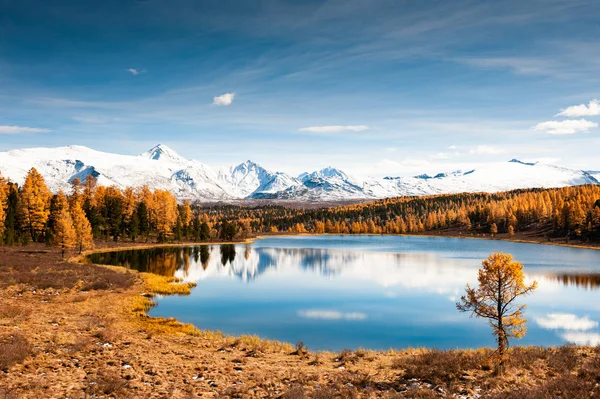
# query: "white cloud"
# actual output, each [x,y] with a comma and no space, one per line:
[21,129]
[445,155]
[566,321]
[569,126]
[334,129]
[592,109]
[331,315]
[486,149]
[135,72]
[224,99]
[582,338]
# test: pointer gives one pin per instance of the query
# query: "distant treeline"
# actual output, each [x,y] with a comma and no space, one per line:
[31,213]
[572,212]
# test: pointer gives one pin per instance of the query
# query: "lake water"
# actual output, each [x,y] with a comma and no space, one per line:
[379,292]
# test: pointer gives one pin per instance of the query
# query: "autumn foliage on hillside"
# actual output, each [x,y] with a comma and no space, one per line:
[572,212]
[32,213]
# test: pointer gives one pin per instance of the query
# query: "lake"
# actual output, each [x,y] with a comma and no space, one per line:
[376,292]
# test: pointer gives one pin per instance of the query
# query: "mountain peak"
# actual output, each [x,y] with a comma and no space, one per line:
[162,152]
[515,160]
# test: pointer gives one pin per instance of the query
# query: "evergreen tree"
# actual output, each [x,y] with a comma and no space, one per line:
[12,228]
[204,232]
[228,230]
[144,223]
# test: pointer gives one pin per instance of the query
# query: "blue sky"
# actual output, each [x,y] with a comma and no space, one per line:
[372,87]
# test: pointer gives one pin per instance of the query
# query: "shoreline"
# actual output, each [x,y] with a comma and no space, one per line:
[133,246]
[162,283]
[99,341]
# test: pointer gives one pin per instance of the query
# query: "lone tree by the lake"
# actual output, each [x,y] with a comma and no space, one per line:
[501,282]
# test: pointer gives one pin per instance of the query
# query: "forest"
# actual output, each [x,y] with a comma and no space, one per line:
[91,211]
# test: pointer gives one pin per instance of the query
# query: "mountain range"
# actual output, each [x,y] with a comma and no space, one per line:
[162,168]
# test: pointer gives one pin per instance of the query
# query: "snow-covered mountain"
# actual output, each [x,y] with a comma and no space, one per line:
[162,168]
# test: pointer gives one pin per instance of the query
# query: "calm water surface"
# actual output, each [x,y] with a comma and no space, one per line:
[335,292]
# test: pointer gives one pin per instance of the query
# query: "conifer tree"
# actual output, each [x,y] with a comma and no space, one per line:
[84,238]
[64,236]
[76,193]
[493,229]
[34,204]
[3,203]
[511,231]
[144,223]
[501,281]
[11,221]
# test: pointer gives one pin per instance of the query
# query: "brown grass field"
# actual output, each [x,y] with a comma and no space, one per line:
[71,330]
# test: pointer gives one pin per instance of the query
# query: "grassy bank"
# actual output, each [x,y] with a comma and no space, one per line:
[79,330]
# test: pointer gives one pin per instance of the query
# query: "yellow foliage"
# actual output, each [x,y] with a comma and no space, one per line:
[3,197]
[166,285]
[501,281]
[34,203]
[83,229]
[64,233]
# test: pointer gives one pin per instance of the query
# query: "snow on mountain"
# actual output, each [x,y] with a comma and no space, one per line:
[162,168]
[163,153]
[325,184]
[251,180]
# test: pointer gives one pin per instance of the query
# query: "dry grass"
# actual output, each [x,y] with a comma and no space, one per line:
[107,383]
[37,268]
[103,344]
[163,285]
[13,349]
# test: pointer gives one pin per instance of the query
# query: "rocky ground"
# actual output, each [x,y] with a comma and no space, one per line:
[72,330]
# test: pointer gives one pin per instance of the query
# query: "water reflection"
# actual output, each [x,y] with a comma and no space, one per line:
[588,281]
[374,292]
[387,269]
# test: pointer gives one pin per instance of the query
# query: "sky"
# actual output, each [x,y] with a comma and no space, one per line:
[378,87]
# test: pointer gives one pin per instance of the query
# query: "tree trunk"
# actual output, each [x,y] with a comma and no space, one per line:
[501,334]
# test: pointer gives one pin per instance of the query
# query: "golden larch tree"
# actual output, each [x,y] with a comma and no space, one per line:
[165,213]
[84,238]
[64,236]
[34,203]
[3,198]
[501,282]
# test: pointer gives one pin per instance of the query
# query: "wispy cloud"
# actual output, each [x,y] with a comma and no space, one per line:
[520,65]
[569,126]
[21,130]
[486,150]
[331,315]
[566,321]
[92,119]
[135,71]
[592,109]
[224,99]
[446,155]
[334,129]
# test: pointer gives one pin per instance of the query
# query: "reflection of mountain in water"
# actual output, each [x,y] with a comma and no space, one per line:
[426,270]
[445,276]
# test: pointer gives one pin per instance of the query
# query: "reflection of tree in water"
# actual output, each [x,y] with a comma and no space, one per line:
[204,256]
[587,281]
[247,252]
[227,254]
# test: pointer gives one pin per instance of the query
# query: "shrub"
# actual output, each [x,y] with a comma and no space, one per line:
[13,349]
